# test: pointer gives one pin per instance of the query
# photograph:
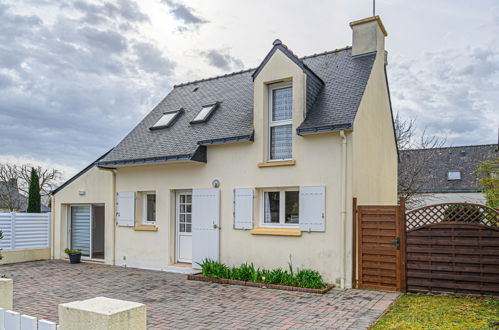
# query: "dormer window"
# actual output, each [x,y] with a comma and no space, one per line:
[205,113]
[453,175]
[280,121]
[166,120]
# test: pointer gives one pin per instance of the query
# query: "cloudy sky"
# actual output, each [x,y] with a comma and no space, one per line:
[76,76]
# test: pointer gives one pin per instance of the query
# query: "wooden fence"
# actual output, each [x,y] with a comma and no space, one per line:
[453,248]
[10,320]
[24,230]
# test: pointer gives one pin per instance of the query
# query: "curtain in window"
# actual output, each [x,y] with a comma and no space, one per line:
[282,104]
[280,144]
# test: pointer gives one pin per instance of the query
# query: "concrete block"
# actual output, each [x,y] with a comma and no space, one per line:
[102,313]
[6,293]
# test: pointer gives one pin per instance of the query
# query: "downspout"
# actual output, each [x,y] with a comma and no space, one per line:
[343,207]
[52,229]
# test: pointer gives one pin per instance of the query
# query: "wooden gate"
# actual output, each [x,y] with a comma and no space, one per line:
[453,248]
[381,247]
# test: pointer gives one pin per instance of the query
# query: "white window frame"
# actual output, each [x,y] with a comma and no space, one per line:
[278,122]
[282,208]
[175,114]
[454,175]
[145,221]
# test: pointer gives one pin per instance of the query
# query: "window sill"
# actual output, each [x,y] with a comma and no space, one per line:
[276,231]
[290,162]
[145,228]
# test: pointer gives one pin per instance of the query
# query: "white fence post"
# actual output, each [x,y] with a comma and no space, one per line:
[28,323]
[2,319]
[46,325]
[13,231]
[12,320]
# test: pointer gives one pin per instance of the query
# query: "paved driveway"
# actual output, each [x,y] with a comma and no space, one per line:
[174,302]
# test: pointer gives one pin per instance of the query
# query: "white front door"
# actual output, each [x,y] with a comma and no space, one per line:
[184,226]
[205,225]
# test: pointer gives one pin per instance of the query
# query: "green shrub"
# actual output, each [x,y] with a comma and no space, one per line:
[304,278]
[309,279]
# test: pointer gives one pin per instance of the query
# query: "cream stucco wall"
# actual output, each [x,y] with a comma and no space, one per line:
[98,187]
[374,147]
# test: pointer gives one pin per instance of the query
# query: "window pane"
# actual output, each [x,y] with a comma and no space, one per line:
[280,142]
[188,198]
[188,228]
[166,119]
[271,208]
[188,218]
[151,207]
[188,208]
[182,228]
[282,104]
[292,207]
[182,208]
[205,111]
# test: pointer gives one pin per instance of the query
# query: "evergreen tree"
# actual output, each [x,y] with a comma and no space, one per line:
[34,198]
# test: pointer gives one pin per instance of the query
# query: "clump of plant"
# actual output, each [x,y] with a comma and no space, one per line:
[488,178]
[68,251]
[304,278]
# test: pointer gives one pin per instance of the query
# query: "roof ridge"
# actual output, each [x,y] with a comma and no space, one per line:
[337,50]
[450,147]
[213,78]
[251,69]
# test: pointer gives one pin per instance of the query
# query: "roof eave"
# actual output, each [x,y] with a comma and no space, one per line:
[199,155]
[322,129]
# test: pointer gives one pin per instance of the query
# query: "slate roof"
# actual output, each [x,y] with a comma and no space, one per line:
[344,78]
[463,159]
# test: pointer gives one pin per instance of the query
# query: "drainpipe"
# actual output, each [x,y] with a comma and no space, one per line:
[343,206]
[52,229]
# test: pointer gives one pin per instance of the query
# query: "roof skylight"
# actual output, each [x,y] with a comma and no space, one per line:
[166,120]
[205,113]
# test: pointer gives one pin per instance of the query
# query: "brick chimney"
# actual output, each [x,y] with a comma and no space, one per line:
[368,36]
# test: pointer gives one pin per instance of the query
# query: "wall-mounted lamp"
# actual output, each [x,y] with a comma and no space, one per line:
[215,183]
[82,192]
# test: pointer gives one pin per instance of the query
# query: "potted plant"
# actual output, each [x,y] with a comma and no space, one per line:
[74,255]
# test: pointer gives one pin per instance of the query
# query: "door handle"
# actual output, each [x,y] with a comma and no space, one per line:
[397,242]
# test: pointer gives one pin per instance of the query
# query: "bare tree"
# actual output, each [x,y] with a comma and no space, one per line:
[9,193]
[412,172]
[49,179]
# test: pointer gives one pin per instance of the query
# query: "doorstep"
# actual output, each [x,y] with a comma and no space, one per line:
[181,268]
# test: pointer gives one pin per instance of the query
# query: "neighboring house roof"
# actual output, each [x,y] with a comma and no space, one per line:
[463,159]
[77,175]
[22,201]
[343,77]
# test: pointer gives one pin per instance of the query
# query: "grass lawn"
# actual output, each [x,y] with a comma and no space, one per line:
[427,312]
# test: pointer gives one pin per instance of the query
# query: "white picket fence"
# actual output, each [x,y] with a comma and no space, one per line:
[24,231]
[10,320]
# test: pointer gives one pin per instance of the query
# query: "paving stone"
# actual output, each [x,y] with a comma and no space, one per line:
[173,302]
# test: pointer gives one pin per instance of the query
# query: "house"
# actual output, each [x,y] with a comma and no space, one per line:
[254,166]
[446,174]
[11,199]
